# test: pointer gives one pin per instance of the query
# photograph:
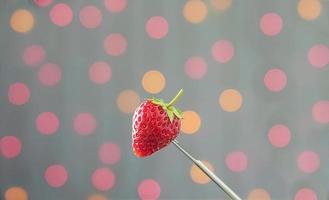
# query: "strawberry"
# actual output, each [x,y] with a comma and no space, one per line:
[155,125]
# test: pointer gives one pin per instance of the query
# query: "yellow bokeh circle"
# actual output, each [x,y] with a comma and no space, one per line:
[22,21]
[97,197]
[198,176]
[221,5]
[258,194]
[230,100]
[195,11]
[128,101]
[191,122]
[309,9]
[153,81]
[16,193]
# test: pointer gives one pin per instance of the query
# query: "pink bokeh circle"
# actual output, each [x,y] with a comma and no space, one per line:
[196,67]
[10,146]
[84,124]
[103,179]
[222,51]
[43,3]
[61,15]
[156,27]
[34,55]
[275,80]
[115,44]
[115,6]
[305,194]
[318,56]
[149,189]
[50,74]
[56,175]
[100,72]
[308,162]
[320,112]
[236,161]
[109,153]
[18,94]
[271,24]
[90,17]
[47,123]
[279,136]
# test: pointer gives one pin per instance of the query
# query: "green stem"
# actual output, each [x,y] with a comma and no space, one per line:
[175,99]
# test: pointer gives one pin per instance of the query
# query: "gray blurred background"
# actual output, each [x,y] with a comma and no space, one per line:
[266,170]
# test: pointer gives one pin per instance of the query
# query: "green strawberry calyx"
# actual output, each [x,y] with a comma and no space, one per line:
[169,107]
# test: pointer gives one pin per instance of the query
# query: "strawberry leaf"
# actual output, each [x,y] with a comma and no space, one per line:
[170,110]
[170,115]
[178,113]
[158,102]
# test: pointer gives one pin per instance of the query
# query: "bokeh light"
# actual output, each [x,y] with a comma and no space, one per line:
[115,44]
[230,100]
[271,24]
[47,123]
[97,197]
[43,3]
[199,176]
[318,56]
[34,55]
[100,72]
[195,11]
[258,194]
[309,9]
[109,153]
[61,15]
[305,194]
[222,51]
[236,161]
[18,94]
[84,124]
[50,74]
[156,27]
[221,5]
[149,189]
[10,146]
[22,21]
[56,175]
[115,6]
[320,112]
[90,17]
[191,122]
[275,80]
[279,135]
[153,81]
[308,162]
[103,179]
[196,67]
[16,193]
[128,101]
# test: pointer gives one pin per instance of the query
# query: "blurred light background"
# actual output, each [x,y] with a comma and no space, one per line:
[256,101]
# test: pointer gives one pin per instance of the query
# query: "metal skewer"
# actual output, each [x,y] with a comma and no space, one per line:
[209,173]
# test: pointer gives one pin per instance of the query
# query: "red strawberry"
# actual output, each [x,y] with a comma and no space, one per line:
[155,125]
